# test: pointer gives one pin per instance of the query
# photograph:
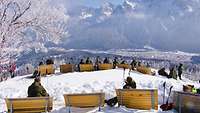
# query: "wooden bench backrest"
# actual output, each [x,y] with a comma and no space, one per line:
[138,98]
[42,70]
[29,105]
[144,70]
[126,66]
[65,68]
[85,100]
[185,102]
[46,69]
[86,67]
[105,66]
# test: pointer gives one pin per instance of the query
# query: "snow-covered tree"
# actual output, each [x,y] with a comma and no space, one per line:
[28,24]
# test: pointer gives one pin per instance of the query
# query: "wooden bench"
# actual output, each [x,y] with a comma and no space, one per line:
[84,100]
[185,102]
[138,98]
[46,69]
[66,68]
[144,70]
[86,67]
[29,105]
[105,66]
[126,66]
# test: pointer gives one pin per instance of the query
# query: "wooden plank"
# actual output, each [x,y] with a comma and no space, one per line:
[42,69]
[138,98]
[105,66]
[30,104]
[85,100]
[187,102]
[126,66]
[66,68]
[50,69]
[46,69]
[144,70]
[86,67]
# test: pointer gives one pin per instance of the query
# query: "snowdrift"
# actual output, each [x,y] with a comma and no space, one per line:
[86,82]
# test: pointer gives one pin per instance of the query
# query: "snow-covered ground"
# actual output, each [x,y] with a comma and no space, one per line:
[85,82]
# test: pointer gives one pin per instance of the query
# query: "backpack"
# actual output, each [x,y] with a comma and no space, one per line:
[111,102]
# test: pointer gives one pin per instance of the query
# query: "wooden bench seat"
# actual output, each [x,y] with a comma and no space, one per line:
[84,100]
[86,67]
[46,69]
[138,98]
[144,70]
[126,66]
[66,68]
[29,105]
[185,102]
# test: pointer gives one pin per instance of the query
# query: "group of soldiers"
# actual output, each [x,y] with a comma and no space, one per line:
[173,72]
[115,62]
[37,90]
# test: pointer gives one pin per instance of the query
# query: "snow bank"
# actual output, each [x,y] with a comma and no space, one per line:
[86,82]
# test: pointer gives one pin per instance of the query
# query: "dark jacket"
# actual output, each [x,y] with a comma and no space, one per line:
[123,62]
[106,61]
[180,69]
[162,72]
[173,74]
[36,90]
[131,85]
[88,61]
[134,63]
[81,62]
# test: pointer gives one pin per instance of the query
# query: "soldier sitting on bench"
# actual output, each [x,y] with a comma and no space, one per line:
[36,89]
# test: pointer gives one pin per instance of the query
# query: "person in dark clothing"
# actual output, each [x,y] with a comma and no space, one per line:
[106,61]
[173,73]
[36,73]
[162,72]
[133,64]
[139,64]
[124,62]
[81,62]
[36,89]
[115,62]
[41,63]
[180,71]
[97,62]
[88,61]
[130,84]
[49,61]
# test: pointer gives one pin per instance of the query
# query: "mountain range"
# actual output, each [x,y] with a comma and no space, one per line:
[161,24]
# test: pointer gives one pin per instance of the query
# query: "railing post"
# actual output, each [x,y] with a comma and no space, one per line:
[120,98]
[11,107]
[180,103]
[69,106]
[100,101]
[46,105]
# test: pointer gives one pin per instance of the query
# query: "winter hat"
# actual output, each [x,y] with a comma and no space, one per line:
[129,79]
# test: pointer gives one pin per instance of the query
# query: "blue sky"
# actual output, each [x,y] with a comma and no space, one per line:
[97,3]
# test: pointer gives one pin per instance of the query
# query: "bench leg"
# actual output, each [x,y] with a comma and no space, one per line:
[11,107]
[180,103]
[99,108]
[69,109]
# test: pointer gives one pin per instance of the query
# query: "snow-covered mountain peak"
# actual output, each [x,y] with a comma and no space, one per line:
[129,4]
[85,15]
[107,9]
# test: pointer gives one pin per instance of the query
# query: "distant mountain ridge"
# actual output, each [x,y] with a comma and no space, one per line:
[161,24]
